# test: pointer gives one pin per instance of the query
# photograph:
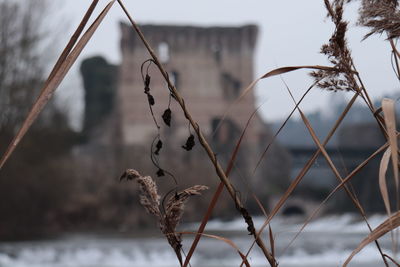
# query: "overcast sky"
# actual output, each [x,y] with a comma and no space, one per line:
[291,32]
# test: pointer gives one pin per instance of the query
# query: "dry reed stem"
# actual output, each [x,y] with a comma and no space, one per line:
[352,195]
[390,123]
[274,72]
[385,227]
[220,172]
[217,193]
[382,180]
[396,56]
[224,239]
[330,162]
[304,170]
[281,128]
[339,186]
[389,116]
[73,39]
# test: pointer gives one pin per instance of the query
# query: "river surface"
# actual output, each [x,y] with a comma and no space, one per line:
[325,242]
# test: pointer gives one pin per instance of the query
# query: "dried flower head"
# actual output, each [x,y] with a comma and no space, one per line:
[176,204]
[342,77]
[381,16]
[169,220]
[149,197]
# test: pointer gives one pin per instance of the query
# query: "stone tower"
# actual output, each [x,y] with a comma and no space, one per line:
[210,66]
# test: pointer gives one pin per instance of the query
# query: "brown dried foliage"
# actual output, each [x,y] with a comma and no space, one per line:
[381,16]
[173,212]
[176,204]
[341,78]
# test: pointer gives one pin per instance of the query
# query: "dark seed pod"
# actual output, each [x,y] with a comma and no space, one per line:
[160,173]
[147,84]
[158,147]
[147,80]
[189,143]
[150,98]
[167,116]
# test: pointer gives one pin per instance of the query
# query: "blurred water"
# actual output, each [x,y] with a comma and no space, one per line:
[326,242]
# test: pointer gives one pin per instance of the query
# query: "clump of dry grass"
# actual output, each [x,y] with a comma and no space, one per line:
[169,216]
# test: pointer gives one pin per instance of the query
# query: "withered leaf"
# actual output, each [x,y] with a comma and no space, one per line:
[147,80]
[189,143]
[150,98]
[167,116]
[160,172]
[158,147]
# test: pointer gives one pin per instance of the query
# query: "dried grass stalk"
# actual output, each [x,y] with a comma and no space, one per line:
[149,197]
[388,225]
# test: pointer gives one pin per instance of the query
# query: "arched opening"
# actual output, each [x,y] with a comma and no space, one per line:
[293,210]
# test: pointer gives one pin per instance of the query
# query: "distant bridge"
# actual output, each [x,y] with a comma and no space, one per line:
[347,156]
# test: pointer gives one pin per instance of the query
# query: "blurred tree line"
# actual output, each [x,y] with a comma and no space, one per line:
[36,181]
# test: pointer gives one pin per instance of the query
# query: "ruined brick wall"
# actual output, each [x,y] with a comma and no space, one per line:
[210,67]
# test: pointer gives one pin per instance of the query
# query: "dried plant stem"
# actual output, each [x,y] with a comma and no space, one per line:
[321,147]
[339,186]
[396,57]
[305,170]
[217,194]
[212,156]
[364,94]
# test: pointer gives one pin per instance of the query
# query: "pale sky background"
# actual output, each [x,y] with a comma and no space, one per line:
[291,32]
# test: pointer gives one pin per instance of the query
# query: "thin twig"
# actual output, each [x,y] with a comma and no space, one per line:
[220,172]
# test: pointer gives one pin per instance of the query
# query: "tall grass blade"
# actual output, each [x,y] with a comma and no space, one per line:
[337,188]
[74,38]
[389,116]
[388,225]
[280,71]
[203,141]
[223,239]
[351,194]
[303,172]
[271,241]
[271,73]
[384,189]
[390,121]
[217,193]
[382,180]
[53,82]
[281,128]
